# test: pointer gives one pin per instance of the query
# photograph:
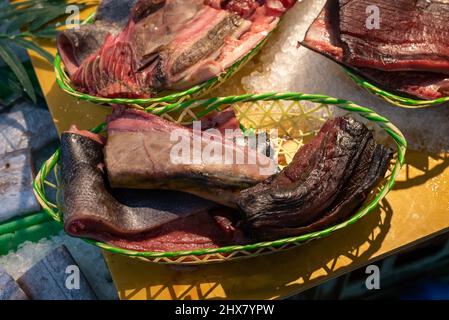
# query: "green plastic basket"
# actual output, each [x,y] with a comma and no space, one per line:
[392,98]
[166,97]
[258,111]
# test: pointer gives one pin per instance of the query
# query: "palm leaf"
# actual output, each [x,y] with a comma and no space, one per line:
[25,21]
[16,66]
[47,33]
[19,20]
[10,90]
[32,46]
[50,15]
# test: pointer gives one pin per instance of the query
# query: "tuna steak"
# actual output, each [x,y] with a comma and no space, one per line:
[412,35]
[324,37]
[327,180]
[133,219]
[145,151]
[169,44]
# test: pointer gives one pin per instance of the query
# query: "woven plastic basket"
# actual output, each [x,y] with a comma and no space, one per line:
[392,98]
[297,116]
[166,97]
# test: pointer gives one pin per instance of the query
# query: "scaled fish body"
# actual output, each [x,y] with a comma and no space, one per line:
[133,219]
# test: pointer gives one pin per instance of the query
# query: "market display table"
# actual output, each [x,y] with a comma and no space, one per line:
[416,210]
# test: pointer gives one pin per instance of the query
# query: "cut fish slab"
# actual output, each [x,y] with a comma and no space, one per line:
[328,179]
[172,44]
[415,66]
[139,220]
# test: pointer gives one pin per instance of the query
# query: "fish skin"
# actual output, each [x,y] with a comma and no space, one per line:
[321,181]
[316,172]
[142,220]
[424,48]
[145,8]
[137,155]
[369,172]
[87,197]
[323,38]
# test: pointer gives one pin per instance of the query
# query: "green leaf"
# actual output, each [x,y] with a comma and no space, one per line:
[50,14]
[32,46]
[16,66]
[48,33]
[20,18]
[10,90]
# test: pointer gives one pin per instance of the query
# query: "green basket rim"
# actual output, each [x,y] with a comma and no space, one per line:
[213,104]
[400,101]
[64,82]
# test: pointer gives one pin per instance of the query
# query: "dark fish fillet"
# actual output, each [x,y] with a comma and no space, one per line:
[131,218]
[141,149]
[413,35]
[165,45]
[323,37]
[318,170]
[327,179]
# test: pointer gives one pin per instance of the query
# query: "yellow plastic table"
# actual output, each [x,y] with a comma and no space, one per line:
[416,210]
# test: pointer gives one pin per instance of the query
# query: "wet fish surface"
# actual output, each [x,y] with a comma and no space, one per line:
[75,45]
[407,53]
[133,219]
[147,152]
[327,180]
[169,44]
